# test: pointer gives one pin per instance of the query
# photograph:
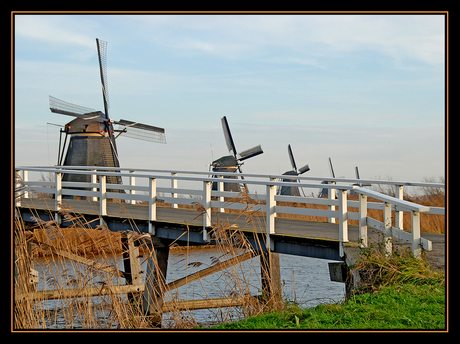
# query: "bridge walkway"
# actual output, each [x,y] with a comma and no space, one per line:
[178,217]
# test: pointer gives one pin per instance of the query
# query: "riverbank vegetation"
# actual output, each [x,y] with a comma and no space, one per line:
[396,292]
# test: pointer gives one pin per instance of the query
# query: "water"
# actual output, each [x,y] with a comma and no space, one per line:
[305,281]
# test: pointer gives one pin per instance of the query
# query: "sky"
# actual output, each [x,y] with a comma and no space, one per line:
[364,90]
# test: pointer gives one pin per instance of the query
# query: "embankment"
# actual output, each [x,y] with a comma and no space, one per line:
[400,292]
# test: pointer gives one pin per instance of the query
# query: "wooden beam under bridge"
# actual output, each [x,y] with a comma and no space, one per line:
[125,289]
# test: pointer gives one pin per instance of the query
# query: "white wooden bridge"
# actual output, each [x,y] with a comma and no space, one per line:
[316,239]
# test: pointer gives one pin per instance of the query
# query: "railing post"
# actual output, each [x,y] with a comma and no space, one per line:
[274,180]
[17,194]
[58,196]
[399,214]
[102,198]
[416,242]
[174,186]
[152,204]
[387,228]
[270,213]
[362,239]
[25,179]
[132,182]
[331,196]
[220,187]
[343,220]
[94,181]
[207,186]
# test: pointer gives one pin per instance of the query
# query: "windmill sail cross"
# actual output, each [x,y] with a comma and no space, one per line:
[249,153]
[304,169]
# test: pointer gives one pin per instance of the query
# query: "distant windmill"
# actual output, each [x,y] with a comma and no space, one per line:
[92,140]
[232,163]
[358,184]
[325,192]
[357,177]
[292,190]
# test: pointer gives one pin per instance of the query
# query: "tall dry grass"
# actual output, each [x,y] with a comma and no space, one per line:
[63,255]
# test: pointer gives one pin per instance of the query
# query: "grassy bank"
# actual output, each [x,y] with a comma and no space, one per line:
[393,307]
[397,292]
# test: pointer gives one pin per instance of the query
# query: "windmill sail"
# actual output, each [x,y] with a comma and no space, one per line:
[228,136]
[357,177]
[102,55]
[325,192]
[92,140]
[291,158]
[70,109]
[232,163]
[249,153]
[292,190]
[145,132]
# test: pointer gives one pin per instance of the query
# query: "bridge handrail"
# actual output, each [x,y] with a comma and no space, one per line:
[251,175]
[99,191]
[171,177]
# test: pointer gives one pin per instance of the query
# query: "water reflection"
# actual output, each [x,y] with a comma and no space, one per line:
[305,281]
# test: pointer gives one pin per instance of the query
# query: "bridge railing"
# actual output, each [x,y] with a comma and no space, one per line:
[96,190]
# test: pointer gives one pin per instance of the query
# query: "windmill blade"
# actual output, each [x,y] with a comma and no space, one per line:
[331,168]
[228,136]
[141,131]
[102,55]
[65,108]
[357,177]
[291,157]
[249,153]
[304,169]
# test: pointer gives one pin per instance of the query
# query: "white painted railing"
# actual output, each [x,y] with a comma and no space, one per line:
[96,190]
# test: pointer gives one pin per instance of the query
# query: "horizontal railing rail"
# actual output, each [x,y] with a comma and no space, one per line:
[254,175]
[97,190]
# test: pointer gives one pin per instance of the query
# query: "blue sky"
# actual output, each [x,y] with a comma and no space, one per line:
[366,90]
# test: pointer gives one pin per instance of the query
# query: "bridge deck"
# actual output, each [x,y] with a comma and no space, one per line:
[171,224]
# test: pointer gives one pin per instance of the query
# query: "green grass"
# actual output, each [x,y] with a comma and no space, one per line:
[405,306]
[397,292]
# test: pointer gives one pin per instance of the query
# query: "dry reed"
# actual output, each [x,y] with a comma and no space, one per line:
[63,258]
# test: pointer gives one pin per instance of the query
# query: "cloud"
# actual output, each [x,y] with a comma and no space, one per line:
[60,30]
[418,37]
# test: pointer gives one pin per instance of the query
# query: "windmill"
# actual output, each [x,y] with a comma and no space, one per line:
[357,177]
[92,140]
[325,192]
[232,163]
[292,190]
[358,184]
